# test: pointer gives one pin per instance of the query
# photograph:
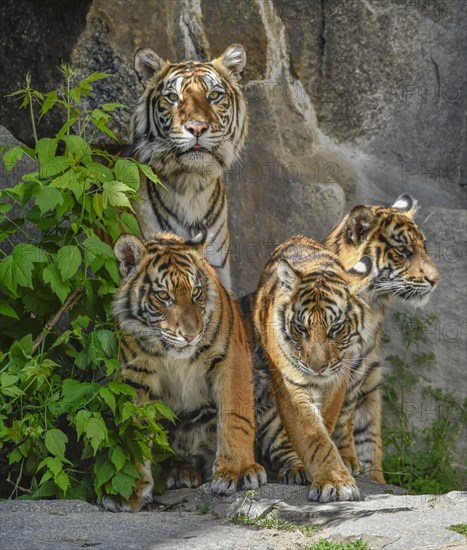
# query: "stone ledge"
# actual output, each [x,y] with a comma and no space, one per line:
[386,518]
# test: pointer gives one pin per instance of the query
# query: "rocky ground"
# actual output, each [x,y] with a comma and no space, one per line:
[281,519]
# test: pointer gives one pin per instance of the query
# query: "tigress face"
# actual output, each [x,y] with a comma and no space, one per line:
[192,115]
[397,247]
[321,317]
[164,296]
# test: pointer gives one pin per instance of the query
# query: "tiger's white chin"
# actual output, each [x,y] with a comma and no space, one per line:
[202,163]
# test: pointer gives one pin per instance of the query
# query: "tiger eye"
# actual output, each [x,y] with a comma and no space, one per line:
[162,295]
[196,292]
[172,97]
[214,95]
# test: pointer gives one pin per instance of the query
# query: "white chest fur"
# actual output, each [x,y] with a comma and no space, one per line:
[181,384]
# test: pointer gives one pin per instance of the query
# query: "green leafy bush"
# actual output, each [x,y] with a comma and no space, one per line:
[68,426]
[422,461]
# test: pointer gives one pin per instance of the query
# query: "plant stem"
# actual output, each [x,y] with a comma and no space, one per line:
[69,303]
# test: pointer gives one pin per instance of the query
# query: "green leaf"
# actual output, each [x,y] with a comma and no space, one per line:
[7,379]
[16,270]
[118,457]
[78,147]
[76,394]
[64,129]
[149,173]
[99,172]
[112,106]
[127,171]
[109,398]
[164,410]
[123,484]
[60,287]
[11,157]
[55,442]
[96,75]
[96,252]
[45,149]
[68,261]
[115,192]
[112,269]
[7,310]
[104,471]
[131,470]
[128,410]
[107,341]
[130,224]
[46,489]
[122,388]
[54,464]
[55,166]
[62,480]
[99,202]
[49,102]
[93,427]
[48,198]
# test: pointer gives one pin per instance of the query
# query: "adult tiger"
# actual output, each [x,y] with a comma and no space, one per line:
[190,124]
[402,269]
[184,344]
[308,322]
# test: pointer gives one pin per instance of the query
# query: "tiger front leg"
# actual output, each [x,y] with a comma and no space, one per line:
[235,467]
[331,479]
[367,431]
[344,440]
[337,417]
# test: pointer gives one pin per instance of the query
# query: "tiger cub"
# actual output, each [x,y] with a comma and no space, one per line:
[184,344]
[189,125]
[309,323]
[402,269]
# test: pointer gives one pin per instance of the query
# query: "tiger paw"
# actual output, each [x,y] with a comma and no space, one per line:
[116,503]
[184,477]
[333,491]
[294,476]
[226,481]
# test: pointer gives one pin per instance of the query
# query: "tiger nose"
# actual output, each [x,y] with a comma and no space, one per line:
[197,127]
[434,280]
[189,337]
[321,369]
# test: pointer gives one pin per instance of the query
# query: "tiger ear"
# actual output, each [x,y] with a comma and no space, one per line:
[233,58]
[198,242]
[128,250]
[360,221]
[287,276]
[406,204]
[147,63]
[360,273]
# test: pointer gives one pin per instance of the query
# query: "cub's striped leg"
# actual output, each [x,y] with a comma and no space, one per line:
[235,465]
[275,446]
[367,426]
[141,496]
[337,415]
[308,434]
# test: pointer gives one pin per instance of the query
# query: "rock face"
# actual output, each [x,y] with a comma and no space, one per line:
[195,519]
[350,102]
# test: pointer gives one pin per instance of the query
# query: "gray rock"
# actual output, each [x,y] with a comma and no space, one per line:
[9,179]
[367,99]
[198,520]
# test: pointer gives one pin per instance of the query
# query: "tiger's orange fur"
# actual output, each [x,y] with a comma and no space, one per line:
[185,344]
